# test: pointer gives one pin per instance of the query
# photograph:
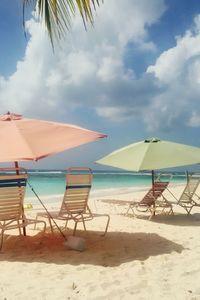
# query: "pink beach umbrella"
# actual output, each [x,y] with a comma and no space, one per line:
[24,139]
[30,139]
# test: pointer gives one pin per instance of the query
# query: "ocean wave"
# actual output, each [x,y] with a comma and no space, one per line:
[121,173]
[105,172]
[45,172]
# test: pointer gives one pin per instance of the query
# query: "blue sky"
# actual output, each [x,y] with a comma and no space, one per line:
[136,74]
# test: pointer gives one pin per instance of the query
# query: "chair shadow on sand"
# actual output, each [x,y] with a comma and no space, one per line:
[178,219]
[112,250]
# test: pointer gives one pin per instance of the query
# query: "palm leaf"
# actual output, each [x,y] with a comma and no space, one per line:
[57,14]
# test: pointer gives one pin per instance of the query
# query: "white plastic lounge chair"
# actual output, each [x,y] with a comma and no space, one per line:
[189,198]
[152,201]
[75,201]
[12,192]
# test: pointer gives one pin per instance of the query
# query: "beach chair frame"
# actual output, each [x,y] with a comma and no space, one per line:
[153,200]
[189,197]
[12,192]
[75,200]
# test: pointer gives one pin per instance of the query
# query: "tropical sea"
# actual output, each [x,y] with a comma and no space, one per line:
[52,182]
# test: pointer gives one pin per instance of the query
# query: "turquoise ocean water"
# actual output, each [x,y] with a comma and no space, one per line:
[52,182]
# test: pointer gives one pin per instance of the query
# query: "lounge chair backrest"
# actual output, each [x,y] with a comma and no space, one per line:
[12,192]
[154,193]
[78,186]
[190,189]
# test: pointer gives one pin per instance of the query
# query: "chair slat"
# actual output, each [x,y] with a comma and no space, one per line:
[74,205]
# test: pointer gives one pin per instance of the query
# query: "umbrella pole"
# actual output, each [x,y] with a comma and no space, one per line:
[17,167]
[187,176]
[17,172]
[152,172]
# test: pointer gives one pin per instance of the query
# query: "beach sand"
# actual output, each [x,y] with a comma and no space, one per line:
[137,259]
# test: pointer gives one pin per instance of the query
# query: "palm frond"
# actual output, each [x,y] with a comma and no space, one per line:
[58,14]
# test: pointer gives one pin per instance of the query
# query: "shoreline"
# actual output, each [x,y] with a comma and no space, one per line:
[96,193]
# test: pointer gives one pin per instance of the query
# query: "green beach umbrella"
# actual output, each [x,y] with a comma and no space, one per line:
[152,154]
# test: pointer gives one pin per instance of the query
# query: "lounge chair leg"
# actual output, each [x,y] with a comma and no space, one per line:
[35,223]
[75,226]
[128,210]
[45,225]
[66,225]
[83,223]
[132,208]
[107,224]
[51,226]
[1,243]
[190,210]
[20,232]
[153,213]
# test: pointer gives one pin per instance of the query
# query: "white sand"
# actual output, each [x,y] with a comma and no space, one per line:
[137,259]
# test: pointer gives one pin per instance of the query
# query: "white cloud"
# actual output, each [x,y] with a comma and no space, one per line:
[197,24]
[177,70]
[78,66]
[116,113]
[87,69]
[194,120]
[171,63]
[110,69]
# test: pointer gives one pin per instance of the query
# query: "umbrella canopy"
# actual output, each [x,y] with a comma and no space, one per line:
[152,154]
[30,139]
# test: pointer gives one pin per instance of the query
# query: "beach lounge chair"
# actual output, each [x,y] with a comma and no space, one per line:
[189,198]
[75,200]
[152,201]
[12,192]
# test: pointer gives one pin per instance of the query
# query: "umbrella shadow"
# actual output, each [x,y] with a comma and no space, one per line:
[109,251]
[178,219]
